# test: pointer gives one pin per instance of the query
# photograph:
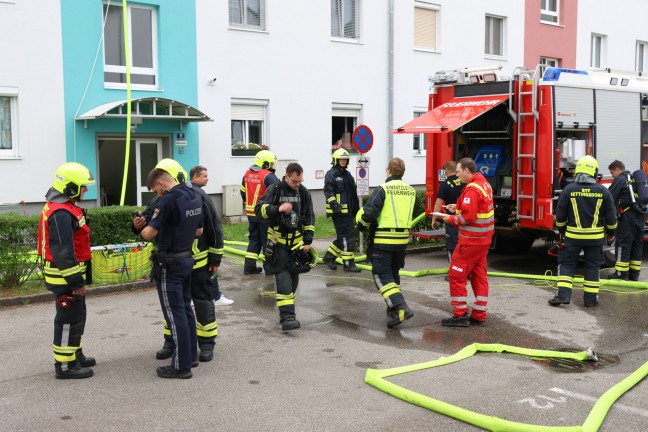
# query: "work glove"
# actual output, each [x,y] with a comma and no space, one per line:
[336,207]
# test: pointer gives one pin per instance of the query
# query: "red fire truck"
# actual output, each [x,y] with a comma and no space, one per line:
[526,133]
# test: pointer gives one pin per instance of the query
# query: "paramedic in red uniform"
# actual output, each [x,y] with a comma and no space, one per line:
[64,245]
[474,219]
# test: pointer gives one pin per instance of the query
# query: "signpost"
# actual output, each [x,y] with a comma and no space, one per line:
[362,181]
[362,140]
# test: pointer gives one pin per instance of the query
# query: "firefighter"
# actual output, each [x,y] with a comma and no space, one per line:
[449,192]
[342,205]
[176,222]
[631,220]
[387,216]
[64,245]
[585,211]
[476,223]
[288,207]
[255,182]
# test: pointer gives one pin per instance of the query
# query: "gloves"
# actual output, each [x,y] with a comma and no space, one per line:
[336,207]
[362,227]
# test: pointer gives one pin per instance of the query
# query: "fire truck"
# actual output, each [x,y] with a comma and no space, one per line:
[526,132]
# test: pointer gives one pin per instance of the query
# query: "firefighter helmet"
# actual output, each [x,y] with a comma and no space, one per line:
[174,168]
[69,178]
[340,154]
[301,261]
[264,159]
[587,165]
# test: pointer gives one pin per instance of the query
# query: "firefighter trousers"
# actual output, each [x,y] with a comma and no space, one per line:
[385,265]
[258,236]
[286,284]
[174,290]
[567,263]
[69,325]
[629,243]
[469,260]
[344,245]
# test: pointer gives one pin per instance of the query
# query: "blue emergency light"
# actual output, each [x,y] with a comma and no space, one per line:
[553,74]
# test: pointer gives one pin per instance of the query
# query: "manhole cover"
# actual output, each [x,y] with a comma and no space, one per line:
[570,366]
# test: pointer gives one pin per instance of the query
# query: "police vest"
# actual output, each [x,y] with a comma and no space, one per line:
[396,215]
[81,240]
[254,188]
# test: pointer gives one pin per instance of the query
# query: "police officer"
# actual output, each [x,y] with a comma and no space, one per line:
[176,222]
[630,232]
[584,212]
[342,205]
[387,215]
[64,245]
[288,207]
[255,182]
[449,192]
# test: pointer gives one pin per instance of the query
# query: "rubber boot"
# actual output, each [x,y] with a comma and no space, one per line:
[83,360]
[400,313]
[75,371]
[329,260]
[634,275]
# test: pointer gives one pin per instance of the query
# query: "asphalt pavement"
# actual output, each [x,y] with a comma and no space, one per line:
[312,379]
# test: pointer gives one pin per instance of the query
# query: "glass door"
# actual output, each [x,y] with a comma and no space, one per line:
[148,153]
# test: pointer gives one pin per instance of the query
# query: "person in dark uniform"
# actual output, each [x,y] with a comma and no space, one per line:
[176,222]
[585,211]
[342,205]
[632,219]
[387,215]
[255,182]
[288,207]
[449,191]
[64,246]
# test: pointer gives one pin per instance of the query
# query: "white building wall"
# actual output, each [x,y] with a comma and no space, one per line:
[31,54]
[301,71]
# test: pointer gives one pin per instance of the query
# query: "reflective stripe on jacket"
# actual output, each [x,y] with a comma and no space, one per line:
[253,187]
[475,215]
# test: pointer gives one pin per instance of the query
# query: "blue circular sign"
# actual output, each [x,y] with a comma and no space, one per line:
[362,139]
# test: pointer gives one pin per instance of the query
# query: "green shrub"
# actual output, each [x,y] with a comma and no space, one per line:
[111,225]
[18,236]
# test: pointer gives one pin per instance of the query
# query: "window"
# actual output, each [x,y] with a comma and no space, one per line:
[142,30]
[8,122]
[598,55]
[344,120]
[420,143]
[425,26]
[248,126]
[550,11]
[641,61]
[345,15]
[247,14]
[549,62]
[494,36]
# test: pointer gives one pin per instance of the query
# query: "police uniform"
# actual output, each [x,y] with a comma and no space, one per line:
[288,233]
[449,192]
[387,215]
[255,182]
[178,215]
[585,210]
[342,204]
[630,230]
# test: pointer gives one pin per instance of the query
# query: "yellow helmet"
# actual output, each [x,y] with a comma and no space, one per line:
[174,168]
[69,178]
[264,159]
[587,165]
[340,154]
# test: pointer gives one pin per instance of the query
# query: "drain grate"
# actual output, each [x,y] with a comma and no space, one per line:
[576,366]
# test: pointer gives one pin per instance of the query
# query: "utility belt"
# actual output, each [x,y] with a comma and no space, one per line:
[165,260]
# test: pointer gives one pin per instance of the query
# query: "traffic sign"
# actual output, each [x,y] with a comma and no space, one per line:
[362,181]
[362,139]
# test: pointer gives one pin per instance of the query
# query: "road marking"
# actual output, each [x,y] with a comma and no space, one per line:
[622,407]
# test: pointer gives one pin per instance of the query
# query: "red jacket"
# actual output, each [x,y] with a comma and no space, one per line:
[254,186]
[474,216]
[81,236]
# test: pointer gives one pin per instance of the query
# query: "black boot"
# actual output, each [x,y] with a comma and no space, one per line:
[457,321]
[290,323]
[75,371]
[85,361]
[557,301]
[634,275]
[166,351]
[329,260]
[206,353]
[252,270]
[400,313]
[619,275]
[350,266]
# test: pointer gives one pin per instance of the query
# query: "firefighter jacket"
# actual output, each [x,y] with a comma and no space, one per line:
[341,192]
[475,215]
[288,229]
[585,210]
[255,182]
[64,244]
[620,192]
[208,248]
[389,209]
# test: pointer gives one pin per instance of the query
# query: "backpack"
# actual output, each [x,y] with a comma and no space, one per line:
[639,182]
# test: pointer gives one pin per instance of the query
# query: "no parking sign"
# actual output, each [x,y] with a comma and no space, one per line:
[362,181]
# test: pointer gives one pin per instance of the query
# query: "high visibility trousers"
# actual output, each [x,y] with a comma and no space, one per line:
[469,260]
[258,236]
[567,263]
[629,243]
[69,325]
[344,245]
[385,265]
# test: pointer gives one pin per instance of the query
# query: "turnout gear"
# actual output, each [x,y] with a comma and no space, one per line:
[69,178]
[174,168]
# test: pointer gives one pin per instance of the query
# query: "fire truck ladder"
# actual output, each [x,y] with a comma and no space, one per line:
[527,145]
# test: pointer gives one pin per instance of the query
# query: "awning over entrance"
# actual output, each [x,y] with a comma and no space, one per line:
[147,108]
[452,114]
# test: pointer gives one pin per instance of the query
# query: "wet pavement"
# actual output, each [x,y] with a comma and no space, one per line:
[312,379]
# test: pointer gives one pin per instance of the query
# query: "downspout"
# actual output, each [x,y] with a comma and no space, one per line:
[390,79]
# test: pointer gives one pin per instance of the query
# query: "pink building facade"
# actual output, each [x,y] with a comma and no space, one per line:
[550,33]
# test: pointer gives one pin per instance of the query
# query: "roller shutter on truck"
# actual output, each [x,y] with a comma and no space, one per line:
[574,107]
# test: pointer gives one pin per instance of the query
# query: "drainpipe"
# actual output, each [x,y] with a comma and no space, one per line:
[390,91]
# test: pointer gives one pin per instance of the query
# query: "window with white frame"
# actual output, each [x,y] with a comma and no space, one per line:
[598,51]
[494,37]
[8,122]
[248,127]
[345,19]
[142,31]
[549,62]
[641,56]
[344,119]
[426,19]
[550,11]
[247,14]
[420,143]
